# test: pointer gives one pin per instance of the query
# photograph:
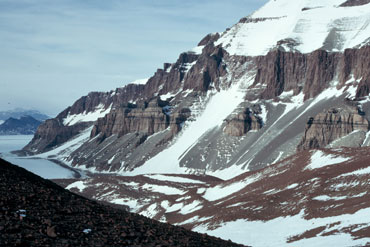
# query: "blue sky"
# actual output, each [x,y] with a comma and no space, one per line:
[55,51]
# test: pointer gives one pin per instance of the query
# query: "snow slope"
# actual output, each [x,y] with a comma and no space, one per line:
[213,116]
[99,112]
[307,25]
[276,232]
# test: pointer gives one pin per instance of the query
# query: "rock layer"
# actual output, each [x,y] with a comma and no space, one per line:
[245,121]
[331,125]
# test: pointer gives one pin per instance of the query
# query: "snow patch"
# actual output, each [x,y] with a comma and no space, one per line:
[364,171]
[174,179]
[80,185]
[163,189]
[221,191]
[63,151]
[98,112]
[140,81]
[328,27]
[192,207]
[197,50]
[320,159]
[213,116]
[278,231]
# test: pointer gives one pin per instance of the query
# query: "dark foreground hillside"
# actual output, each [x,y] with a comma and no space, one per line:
[37,212]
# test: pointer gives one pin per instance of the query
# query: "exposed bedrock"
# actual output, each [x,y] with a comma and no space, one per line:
[311,73]
[52,133]
[351,3]
[331,125]
[242,122]
[148,118]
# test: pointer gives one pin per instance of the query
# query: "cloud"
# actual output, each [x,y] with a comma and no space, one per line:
[58,50]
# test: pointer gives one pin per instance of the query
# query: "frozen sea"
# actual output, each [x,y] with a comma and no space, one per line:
[44,168]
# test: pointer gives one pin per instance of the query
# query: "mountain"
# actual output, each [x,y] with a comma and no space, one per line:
[239,101]
[37,212]
[26,125]
[19,112]
[265,119]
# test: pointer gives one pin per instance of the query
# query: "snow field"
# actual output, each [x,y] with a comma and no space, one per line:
[87,116]
[320,159]
[278,231]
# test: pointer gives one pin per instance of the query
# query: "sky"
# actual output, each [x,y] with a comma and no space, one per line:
[52,52]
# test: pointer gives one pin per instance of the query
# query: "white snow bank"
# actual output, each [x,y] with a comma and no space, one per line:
[163,189]
[213,116]
[64,150]
[140,81]
[320,159]
[364,171]
[276,232]
[221,191]
[174,179]
[286,20]
[336,198]
[133,204]
[98,112]
[197,50]
[192,207]
[78,184]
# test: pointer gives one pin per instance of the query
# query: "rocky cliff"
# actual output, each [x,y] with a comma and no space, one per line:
[331,125]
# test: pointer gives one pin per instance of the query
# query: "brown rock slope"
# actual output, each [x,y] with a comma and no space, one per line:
[325,191]
[37,212]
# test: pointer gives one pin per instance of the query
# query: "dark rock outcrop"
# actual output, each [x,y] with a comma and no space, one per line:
[351,3]
[286,71]
[52,133]
[207,71]
[243,122]
[149,118]
[37,212]
[331,125]
[311,73]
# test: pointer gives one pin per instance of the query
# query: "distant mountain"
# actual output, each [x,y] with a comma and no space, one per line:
[26,125]
[19,112]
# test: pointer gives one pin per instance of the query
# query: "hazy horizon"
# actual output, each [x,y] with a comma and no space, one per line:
[54,52]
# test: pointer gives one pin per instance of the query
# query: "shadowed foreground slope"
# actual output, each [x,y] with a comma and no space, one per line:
[37,212]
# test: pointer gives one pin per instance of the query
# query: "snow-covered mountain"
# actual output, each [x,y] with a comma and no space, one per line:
[237,102]
[291,77]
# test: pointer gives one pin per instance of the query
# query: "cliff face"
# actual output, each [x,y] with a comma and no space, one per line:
[52,133]
[332,125]
[243,122]
[312,73]
[149,118]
